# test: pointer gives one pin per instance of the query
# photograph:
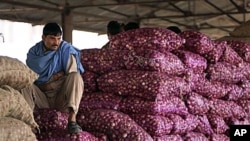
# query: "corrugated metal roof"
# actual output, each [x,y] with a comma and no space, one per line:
[215,18]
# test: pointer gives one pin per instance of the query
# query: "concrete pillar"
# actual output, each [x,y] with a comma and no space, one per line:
[67,25]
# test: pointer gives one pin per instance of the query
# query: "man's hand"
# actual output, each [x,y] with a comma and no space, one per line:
[36,130]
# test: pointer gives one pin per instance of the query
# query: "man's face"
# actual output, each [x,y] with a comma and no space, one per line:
[51,42]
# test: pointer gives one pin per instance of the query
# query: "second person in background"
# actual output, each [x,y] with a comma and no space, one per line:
[113,28]
[131,25]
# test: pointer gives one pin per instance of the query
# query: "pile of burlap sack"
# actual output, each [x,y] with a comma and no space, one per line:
[16,117]
[240,33]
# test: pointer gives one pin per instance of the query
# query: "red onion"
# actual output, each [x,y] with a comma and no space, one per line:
[135,105]
[218,124]
[50,119]
[99,100]
[231,56]
[145,84]
[153,60]
[172,137]
[242,48]
[197,104]
[90,84]
[225,72]
[197,42]
[153,124]
[195,136]
[116,125]
[183,124]
[192,61]
[102,60]
[215,54]
[219,137]
[204,126]
[155,38]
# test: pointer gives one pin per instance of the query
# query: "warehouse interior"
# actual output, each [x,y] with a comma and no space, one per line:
[147,84]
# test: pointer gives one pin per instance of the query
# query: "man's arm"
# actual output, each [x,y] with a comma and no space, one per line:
[71,66]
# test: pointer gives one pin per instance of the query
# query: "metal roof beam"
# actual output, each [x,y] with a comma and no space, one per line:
[112,11]
[223,11]
[239,8]
[186,13]
[30,5]
[218,27]
[194,15]
[124,3]
[177,23]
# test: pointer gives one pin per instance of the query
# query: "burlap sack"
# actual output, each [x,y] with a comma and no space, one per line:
[15,73]
[13,104]
[12,129]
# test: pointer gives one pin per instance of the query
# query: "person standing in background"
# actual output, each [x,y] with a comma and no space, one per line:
[131,25]
[59,85]
[175,29]
[113,28]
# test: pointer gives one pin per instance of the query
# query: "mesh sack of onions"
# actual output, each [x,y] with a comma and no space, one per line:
[192,61]
[145,84]
[50,119]
[204,125]
[245,104]
[15,73]
[208,89]
[13,104]
[136,105]
[225,72]
[153,124]
[155,38]
[219,137]
[13,129]
[236,92]
[197,104]
[154,60]
[236,121]
[237,111]
[215,54]
[218,124]
[63,135]
[226,109]
[102,60]
[90,84]
[231,56]
[246,68]
[197,42]
[171,137]
[116,125]
[245,85]
[242,48]
[99,100]
[183,124]
[195,136]
[100,136]
[213,89]
[226,38]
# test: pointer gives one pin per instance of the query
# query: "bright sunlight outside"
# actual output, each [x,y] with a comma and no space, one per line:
[16,38]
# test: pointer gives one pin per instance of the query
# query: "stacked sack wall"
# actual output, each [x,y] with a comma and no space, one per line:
[16,117]
[154,84]
[18,121]
[12,129]
[15,74]
[195,95]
